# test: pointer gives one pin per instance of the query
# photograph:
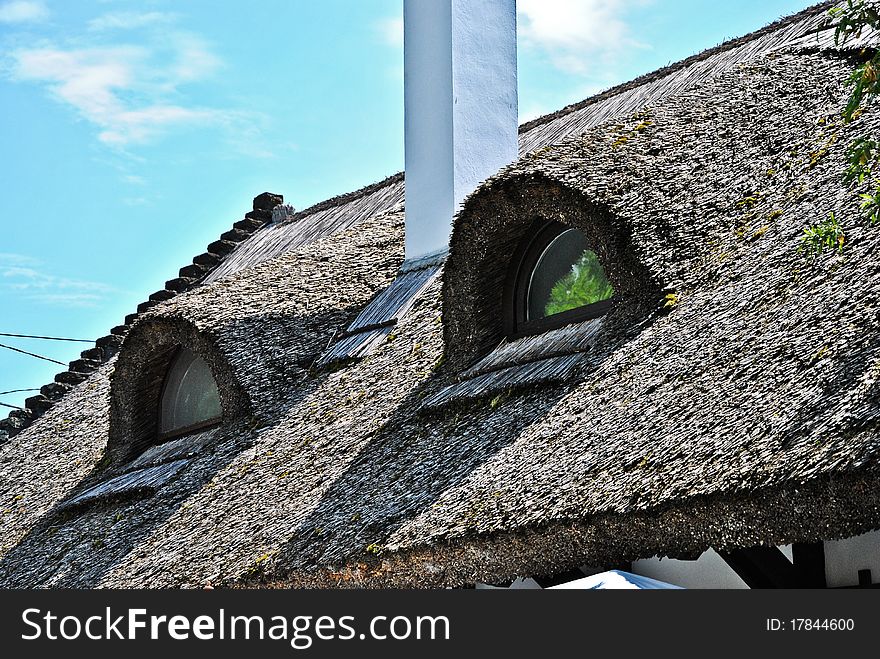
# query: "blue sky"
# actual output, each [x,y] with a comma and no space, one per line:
[133,133]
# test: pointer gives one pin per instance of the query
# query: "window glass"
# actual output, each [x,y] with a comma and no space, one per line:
[567,276]
[190,397]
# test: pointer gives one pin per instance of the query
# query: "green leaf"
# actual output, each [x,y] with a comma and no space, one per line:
[585,284]
[824,235]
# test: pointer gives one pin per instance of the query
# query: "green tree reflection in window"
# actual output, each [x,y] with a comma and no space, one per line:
[584,284]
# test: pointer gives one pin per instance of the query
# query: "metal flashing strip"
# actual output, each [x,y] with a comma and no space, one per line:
[553,343]
[187,446]
[393,303]
[354,346]
[140,481]
[554,369]
[373,324]
[434,259]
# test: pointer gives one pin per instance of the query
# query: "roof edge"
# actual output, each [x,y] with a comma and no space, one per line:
[347,197]
[826,508]
[651,76]
[107,347]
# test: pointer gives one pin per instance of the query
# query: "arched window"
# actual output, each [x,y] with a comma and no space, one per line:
[556,279]
[190,400]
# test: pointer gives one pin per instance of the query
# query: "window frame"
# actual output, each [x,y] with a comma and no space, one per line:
[193,428]
[535,242]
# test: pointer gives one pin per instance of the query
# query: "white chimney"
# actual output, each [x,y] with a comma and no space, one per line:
[460,98]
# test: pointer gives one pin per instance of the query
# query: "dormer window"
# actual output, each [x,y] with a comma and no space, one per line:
[190,399]
[556,279]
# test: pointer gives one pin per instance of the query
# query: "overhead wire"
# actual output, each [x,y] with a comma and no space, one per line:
[45,338]
[35,355]
[32,354]
[16,391]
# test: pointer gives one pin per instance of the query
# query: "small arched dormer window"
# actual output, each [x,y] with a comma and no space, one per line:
[190,399]
[555,279]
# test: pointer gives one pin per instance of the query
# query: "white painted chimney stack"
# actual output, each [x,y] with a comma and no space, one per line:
[460,97]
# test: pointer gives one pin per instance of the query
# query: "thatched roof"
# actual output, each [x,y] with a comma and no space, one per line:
[744,413]
[254,239]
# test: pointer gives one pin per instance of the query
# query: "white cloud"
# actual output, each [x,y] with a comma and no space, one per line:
[122,90]
[577,33]
[138,126]
[23,11]
[193,58]
[390,31]
[573,33]
[27,278]
[8,259]
[130,20]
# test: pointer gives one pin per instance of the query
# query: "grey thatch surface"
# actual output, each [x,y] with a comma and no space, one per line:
[184,447]
[747,413]
[273,332]
[314,223]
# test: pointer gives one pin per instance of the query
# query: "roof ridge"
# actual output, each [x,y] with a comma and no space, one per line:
[108,346]
[347,197]
[657,74]
[643,79]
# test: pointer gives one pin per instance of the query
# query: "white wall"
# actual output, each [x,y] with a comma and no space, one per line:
[460,102]
[844,559]
[427,99]
[708,571]
[484,85]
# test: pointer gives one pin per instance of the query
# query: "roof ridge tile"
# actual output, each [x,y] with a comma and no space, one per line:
[108,346]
